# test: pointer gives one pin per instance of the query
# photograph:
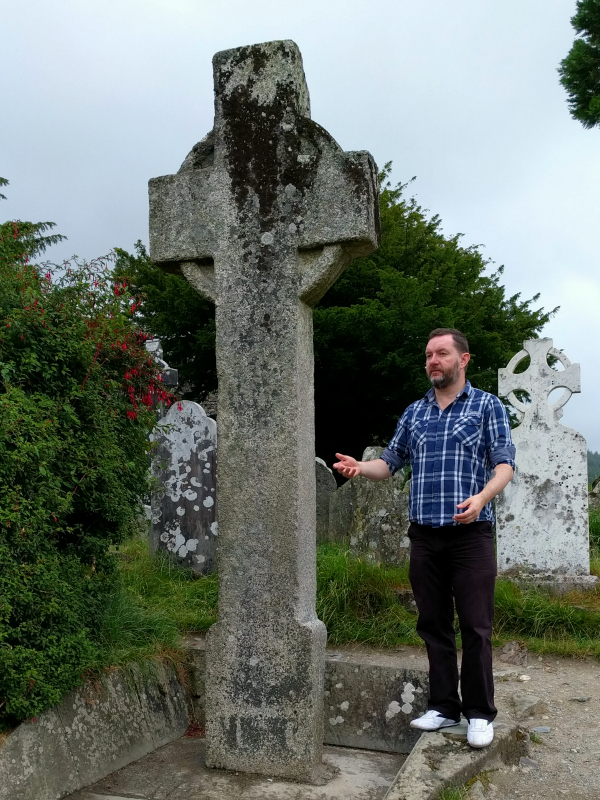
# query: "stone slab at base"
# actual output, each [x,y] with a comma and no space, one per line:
[370,698]
[178,770]
[555,584]
[443,758]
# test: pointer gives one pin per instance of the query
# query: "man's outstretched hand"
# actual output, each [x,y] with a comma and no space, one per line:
[347,466]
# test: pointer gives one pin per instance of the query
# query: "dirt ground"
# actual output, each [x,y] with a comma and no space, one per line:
[567,758]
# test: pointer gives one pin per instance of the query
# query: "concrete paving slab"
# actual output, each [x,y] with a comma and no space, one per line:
[177,771]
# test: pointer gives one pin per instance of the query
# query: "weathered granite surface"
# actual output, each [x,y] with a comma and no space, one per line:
[97,729]
[184,501]
[542,515]
[369,698]
[262,218]
[371,517]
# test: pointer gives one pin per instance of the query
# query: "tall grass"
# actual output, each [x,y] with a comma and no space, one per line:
[158,584]
[131,632]
[357,600]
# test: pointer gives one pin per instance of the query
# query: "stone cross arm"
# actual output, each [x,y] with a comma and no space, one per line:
[268,185]
[539,379]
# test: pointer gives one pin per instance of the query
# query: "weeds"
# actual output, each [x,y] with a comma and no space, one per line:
[453,793]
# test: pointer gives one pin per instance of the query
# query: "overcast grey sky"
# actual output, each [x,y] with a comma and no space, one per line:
[98,96]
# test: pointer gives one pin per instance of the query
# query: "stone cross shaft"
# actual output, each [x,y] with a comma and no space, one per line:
[263,216]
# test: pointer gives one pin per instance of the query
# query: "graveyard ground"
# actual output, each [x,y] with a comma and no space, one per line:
[358,601]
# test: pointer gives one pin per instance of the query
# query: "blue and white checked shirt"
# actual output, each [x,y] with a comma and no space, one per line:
[452,452]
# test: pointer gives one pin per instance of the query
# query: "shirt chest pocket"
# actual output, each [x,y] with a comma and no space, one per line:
[468,430]
[418,434]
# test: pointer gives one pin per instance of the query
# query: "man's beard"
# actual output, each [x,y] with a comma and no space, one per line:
[447,378]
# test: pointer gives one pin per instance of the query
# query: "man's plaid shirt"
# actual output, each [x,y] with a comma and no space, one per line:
[452,452]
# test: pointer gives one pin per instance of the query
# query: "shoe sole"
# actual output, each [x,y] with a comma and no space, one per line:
[443,725]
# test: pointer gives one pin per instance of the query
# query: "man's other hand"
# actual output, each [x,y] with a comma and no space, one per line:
[472,506]
[349,467]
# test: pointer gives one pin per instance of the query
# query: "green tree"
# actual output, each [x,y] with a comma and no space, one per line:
[77,389]
[580,70]
[370,329]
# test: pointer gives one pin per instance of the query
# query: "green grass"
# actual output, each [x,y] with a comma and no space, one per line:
[357,601]
[453,793]
[160,586]
[132,633]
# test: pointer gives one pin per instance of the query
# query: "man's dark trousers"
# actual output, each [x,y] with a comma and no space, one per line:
[456,561]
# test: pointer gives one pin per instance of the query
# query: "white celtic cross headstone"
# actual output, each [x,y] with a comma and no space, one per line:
[263,216]
[542,515]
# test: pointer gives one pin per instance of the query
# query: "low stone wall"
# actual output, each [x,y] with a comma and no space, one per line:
[97,729]
[126,714]
[369,699]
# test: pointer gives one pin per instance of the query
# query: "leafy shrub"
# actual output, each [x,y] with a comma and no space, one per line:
[77,390]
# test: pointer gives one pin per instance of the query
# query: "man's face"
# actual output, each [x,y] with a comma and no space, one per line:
[443,362]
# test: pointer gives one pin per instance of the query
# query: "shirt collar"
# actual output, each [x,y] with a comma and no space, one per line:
[430,395]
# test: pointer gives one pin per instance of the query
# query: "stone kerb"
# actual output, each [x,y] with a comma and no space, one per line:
[97,729]
[184,502]
[371,517]
[264,215]
[542,526]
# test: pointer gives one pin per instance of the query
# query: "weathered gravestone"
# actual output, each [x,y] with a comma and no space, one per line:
[326,486]
[371,517]
[542,515]
[263,216]
[183,501]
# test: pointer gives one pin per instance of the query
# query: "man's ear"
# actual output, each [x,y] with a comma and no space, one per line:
[464,360]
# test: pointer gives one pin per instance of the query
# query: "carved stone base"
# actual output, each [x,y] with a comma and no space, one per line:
[553,583]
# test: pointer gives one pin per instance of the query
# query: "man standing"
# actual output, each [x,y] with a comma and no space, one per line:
[458,441]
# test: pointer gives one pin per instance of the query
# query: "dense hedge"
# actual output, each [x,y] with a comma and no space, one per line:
[76,395]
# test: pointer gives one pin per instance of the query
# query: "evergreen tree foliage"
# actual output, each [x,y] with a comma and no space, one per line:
[370,329]
[593,460]
[580,70]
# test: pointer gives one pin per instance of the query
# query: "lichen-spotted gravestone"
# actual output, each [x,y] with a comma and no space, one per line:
[262,218]
[183,503]
[542,515]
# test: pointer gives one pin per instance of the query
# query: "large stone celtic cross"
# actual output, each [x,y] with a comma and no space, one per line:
[263,216]
[539,380]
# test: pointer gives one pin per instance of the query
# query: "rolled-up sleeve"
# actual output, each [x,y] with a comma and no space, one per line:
[498,440]
[396,454]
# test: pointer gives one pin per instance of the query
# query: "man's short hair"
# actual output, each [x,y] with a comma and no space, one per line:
[460,340]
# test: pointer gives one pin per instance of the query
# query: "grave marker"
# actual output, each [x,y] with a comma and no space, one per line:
[542,515]
[183,502]
[264,215]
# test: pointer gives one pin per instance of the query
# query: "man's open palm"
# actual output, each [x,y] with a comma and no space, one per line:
[347,466]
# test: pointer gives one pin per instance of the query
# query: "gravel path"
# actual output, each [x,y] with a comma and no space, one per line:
[562,694]
[567,761]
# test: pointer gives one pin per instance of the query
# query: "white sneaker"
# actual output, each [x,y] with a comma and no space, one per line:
[480,732]
[432,721]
